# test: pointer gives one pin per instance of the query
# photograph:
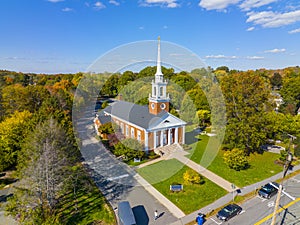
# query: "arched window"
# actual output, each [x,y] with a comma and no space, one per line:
[161,91]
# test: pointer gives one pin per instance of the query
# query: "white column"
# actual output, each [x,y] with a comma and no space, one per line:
[176,135]
[146,140]
[183,135]
[161,138]
[154,141]
[169,136]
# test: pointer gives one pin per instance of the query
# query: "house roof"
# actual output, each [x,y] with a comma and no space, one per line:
[140,116]
[103,118]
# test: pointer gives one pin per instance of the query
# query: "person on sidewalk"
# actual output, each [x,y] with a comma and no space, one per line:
[155,215]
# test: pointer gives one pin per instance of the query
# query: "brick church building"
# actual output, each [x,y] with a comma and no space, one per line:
[151,125]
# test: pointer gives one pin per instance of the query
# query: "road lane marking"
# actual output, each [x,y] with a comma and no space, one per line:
[271,204]
[242,212]
[296,180]
[261,198]
[219,223]
[278,211]
[118,177]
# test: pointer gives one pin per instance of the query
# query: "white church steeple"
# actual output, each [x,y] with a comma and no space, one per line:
[158,99]
[158,74]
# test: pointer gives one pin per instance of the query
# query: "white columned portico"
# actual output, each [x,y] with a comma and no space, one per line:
[183,135]
[146,141]
[161,138]
[154,139]
[176,135]
[169,136]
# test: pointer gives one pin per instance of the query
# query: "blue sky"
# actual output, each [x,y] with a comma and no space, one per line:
[53,36]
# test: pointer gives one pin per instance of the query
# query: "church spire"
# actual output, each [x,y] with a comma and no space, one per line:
[158,74]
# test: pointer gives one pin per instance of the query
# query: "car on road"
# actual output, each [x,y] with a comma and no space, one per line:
[268,190]
[229,211]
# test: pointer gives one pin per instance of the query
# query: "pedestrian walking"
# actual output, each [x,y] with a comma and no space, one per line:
[155,214]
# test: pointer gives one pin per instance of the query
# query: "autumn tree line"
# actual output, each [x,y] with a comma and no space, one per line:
[38,144]
[36,133]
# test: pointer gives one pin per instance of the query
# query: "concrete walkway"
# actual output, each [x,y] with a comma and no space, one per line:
[205,172]
[228,198]
[162,199]
[175,151]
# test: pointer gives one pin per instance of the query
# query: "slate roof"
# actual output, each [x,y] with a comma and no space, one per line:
[136,114]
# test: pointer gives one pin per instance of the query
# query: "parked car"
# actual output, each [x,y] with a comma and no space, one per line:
[268,190]
[229,211]
[125,214]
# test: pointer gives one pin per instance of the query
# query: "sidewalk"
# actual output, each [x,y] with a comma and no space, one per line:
[227,198]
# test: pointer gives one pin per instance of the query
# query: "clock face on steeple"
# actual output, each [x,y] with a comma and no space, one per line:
[162,106]
[152,105]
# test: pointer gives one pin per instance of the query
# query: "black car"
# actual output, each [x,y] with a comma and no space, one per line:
[229,211]
[268,190]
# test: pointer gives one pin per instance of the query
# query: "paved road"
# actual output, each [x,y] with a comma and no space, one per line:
[115,179]
[259,211]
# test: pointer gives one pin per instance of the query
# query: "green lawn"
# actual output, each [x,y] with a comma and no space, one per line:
[262,166]
[91,208]
[162,174]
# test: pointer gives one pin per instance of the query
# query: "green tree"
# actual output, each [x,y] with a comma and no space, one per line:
[110,87]
[246,97]
[276,80]
[204,116]
[290,93]
[236,159]
[106,128]
[129,148]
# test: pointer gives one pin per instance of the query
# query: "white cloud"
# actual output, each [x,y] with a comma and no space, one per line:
[294,31]
[269,19]
[99,5]
[255,57]
[216,4]
[114,2]
[250,28]
[67,9]
[167,3]
[220,57]
[141,28]
[215,56]
[249,4]
[275,50]
[54,1]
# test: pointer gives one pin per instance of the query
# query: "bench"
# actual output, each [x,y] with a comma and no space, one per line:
[176,187]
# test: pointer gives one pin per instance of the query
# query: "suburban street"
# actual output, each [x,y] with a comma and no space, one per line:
[259,211]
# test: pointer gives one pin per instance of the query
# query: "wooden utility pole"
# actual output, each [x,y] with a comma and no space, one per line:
[287,164]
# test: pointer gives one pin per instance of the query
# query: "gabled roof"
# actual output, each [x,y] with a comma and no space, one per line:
[140,116]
